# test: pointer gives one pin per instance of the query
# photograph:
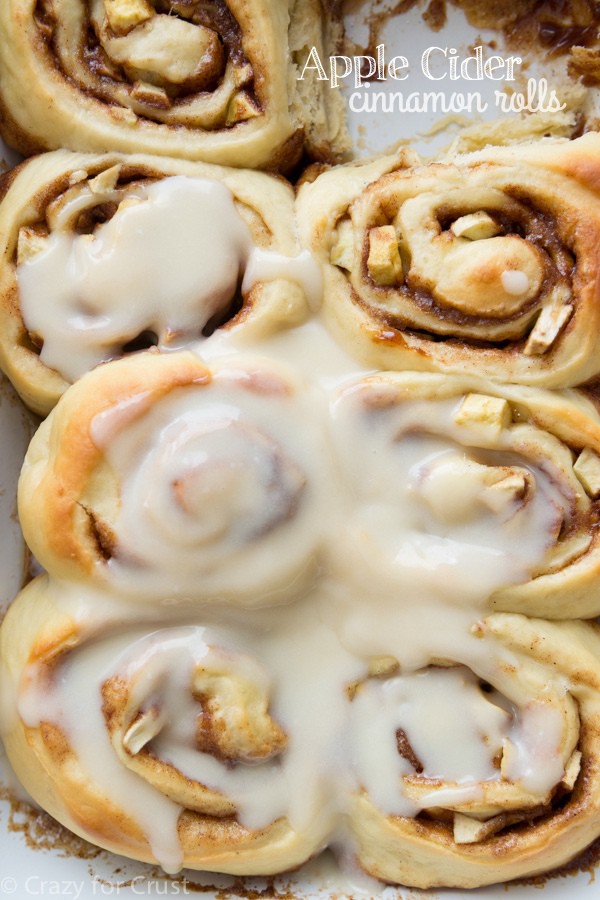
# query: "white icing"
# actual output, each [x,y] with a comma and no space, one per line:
[168,262]
[337,742]
[75,705]
[515,282]
[456,731]
[537,761]
[227,492]
[217,501]
[418,514]
[263,791]
[265,265]
[315,356]
[394,502]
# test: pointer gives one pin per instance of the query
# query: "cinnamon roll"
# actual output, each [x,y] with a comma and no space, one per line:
[248,743]
[103,255]
[156,742]
[486,772]
[215,81]
[471,492]
[168,480]
[484,263]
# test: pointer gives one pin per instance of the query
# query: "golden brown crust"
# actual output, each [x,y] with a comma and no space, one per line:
[422,852]
[211,837]
[264,202]
[492,268]
[72,492]
[61,536]
[97,81]
[548,663]
[549,434]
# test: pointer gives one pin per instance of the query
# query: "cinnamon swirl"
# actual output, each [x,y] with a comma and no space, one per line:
[103,255]
[483,263]
[246,744]
[154,741]
[214,81]
[504,789]
[163,478]
[469,490]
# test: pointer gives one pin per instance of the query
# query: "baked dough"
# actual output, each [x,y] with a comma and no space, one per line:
[499,830]
[207,81]
[77,287]
[161,478]
[484,263]
[153,811]
[224,536]
[157,738]
[459,478]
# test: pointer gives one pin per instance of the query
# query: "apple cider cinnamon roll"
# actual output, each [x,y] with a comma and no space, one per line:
[161,478]
[471,492]
[158,742]
[483,263]
[477,773]
[103,255]
[214,81]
